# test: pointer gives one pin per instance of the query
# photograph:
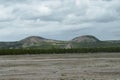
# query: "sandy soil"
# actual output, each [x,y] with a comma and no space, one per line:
[100,66]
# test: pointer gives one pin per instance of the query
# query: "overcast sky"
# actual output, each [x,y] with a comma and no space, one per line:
[59,19]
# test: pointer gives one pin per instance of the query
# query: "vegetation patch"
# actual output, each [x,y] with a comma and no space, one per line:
[57,51]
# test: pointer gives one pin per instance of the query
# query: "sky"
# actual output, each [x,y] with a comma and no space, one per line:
[59,19]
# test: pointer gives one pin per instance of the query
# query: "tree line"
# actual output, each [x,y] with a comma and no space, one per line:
[57,51]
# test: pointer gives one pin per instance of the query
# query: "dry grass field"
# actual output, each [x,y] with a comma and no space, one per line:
[100,66]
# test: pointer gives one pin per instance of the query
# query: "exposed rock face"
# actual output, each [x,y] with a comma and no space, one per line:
[86,38]
[33,39]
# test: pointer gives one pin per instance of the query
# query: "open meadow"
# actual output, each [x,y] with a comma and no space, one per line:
[96,66]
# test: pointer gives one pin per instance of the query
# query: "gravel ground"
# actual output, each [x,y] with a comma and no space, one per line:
[100,66]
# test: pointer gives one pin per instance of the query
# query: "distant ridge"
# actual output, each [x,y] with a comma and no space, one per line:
[37,42]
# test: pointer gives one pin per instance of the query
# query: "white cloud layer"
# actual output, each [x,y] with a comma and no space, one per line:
[59,19]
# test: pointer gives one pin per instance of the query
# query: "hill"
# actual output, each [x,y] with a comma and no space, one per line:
[85,39]
[36,42]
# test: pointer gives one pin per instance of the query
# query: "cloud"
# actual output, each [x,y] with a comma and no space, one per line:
[59,19]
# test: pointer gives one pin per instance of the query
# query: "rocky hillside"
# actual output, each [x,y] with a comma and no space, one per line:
[84,39]
[33,39]
[40,42]
[43,43]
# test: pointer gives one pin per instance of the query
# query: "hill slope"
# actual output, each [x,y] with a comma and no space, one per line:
[43,43]
[84,39]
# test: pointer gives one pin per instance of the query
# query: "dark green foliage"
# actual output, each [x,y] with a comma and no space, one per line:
[101,44]
[57,51]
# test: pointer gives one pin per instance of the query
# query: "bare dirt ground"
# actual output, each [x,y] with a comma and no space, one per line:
[100,66]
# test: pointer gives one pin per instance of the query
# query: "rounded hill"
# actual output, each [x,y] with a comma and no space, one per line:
[85,38]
